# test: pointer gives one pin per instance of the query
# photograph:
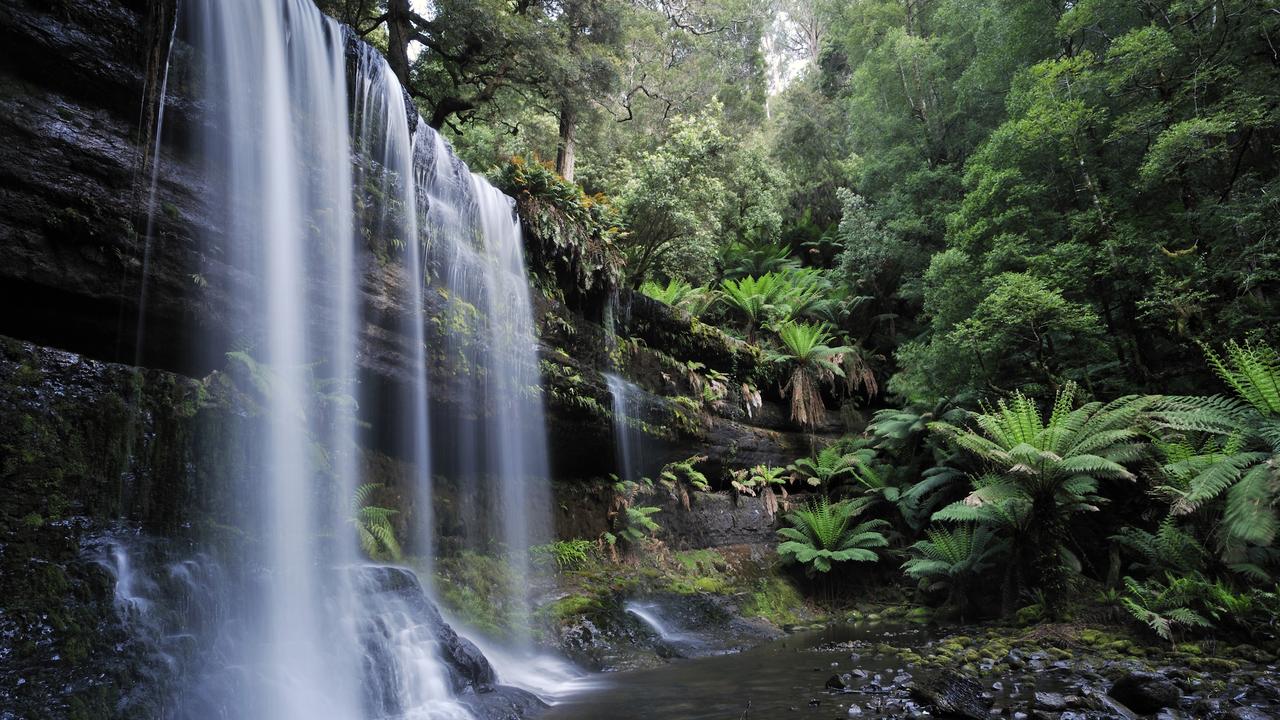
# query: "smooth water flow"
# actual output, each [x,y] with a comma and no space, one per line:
[276,73]
[628,437]
[317,165]
[648,614]
[497,427]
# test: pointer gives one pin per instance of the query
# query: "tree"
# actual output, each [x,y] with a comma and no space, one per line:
[1046,470]
[1246,465]
[673,201]
[951,559]
[810,363]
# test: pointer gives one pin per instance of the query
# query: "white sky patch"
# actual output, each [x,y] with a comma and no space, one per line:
[427,9]
[782,63]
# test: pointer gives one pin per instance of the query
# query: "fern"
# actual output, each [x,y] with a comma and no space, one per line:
[1170,548]
[373,525]
[674,473]
[1045,469]
[812,364]
[1238,465]
[823,534]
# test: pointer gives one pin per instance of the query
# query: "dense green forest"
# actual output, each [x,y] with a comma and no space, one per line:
[699,359]
[1035,243]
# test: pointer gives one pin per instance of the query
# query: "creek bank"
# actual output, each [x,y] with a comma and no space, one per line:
[883,670]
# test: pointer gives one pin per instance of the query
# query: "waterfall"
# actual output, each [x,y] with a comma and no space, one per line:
[497,427]
[275,74]
[324,182]
[628,437]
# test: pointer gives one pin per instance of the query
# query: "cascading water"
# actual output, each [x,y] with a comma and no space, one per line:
[275,74]
[497,428]
[303,175]
[628,438]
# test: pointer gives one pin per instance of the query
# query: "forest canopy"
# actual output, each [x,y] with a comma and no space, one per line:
[998,195]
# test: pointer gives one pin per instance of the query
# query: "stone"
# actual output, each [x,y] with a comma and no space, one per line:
[1146,692]
[949,692]
[837,682]
[1050,701]
[1247,713]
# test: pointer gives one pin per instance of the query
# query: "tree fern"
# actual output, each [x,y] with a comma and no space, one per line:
[951,558]
[1045,469]
[812,364]
[1241,470]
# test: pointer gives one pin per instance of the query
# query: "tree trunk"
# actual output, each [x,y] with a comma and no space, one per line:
[399,30]
[1048,530]
[566,148]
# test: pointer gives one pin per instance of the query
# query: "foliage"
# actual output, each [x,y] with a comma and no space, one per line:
[824,468]
[750,481]
[811,364]
[1170,548]
[679,294]
[673,200]
[1245,464]
[1045,469]
[566,555]
[629,523]
[1165,607]
[823,534]
[951,559]
[576,234]
[373,524]
[742,259]
[684,470]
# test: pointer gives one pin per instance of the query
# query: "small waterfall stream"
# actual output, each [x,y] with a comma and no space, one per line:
[628,437]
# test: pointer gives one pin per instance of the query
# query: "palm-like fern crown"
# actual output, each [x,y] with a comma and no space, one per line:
[1071,450]
[952,551]
[1244,461]
[806,343]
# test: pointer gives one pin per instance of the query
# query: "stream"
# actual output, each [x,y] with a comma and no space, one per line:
[777,677]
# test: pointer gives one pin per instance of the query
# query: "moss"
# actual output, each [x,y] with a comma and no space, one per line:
[776,600]
[478,589]
[570,606]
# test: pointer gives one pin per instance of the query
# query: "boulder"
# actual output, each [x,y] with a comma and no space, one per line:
[1146,692]
[951,693]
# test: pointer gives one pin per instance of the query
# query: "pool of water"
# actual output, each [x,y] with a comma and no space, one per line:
[782,676]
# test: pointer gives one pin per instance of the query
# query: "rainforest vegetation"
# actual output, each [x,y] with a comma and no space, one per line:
[422,358]
[1032,246]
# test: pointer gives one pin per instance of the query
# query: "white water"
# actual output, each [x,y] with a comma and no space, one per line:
[299,638]
[549,677]
[497,428]
[277,74]
[628,438]
[648,614]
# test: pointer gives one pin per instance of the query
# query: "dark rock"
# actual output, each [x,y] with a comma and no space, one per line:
[1247,713]
[1146,692]
[838,682]
[951,693]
